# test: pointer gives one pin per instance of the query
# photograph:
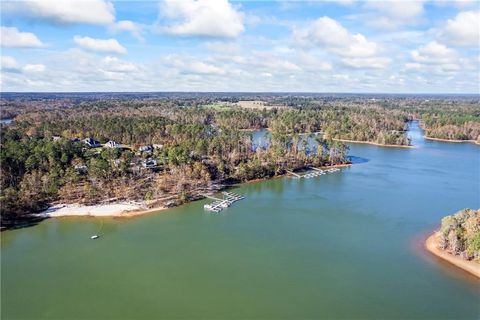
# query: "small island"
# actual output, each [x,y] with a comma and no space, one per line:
[458,240]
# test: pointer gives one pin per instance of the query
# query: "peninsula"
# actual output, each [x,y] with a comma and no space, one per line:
[458,240]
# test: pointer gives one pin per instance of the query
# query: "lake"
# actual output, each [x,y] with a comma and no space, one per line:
[343,245]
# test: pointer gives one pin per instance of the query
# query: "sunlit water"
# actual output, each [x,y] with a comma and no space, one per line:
[343,245]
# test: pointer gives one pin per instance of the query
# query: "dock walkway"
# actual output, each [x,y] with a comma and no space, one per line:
[316,172]
[219,204]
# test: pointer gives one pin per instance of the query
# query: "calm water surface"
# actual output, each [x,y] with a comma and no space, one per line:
[343,245]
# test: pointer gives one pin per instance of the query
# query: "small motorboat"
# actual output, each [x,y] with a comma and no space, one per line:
[95,236]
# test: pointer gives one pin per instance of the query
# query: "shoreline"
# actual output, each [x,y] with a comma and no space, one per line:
[374,143]
[127,209]
[343,165]
[431,244]
[115,210]
[451,140]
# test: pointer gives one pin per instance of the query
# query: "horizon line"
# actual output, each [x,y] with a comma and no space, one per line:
[238,92]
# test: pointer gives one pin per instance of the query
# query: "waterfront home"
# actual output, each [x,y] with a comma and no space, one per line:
[146,149]
[157,146]
[112,144]
[149,163]
[81,168]
[92,143]
[56,138]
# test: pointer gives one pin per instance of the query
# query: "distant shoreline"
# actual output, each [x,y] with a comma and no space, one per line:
[374,143]
[452,140]
[431,244]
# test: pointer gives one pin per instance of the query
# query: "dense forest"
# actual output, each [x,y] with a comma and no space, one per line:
[173,149]
[460,234]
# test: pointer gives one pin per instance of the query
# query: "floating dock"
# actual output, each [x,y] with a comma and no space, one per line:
[219,204]
[315,173]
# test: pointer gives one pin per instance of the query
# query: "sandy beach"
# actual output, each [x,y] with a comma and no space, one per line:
[373,143]
[470,266]
[120,209]
[449,140]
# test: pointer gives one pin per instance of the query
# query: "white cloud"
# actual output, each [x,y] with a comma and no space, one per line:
[113,64]
[9,63]
[328,33]
[12,37]
[464,30]
[33,68]
[189,65]
[99,45]
[78,70]
[204,68]
[135,29]
[211,18]
[97,12]
[354,49]
[391,14]
[313,63]
[434,53]
[373,63]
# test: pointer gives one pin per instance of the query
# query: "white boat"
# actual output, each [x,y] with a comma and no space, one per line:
[95,236]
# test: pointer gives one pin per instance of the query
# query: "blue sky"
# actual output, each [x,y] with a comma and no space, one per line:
[217,45]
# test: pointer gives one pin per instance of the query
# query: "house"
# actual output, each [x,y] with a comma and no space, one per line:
[81,168]
[112,144]
[146,149]
[92,143]
[149,163]
[157,146]
[56,138]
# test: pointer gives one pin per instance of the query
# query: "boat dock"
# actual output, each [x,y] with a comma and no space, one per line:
[316,172]
[219,204]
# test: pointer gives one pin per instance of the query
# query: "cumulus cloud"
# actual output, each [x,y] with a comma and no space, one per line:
[9,63]
[135,29]
[113,64]
[79,70]
[391,14]
[313,63]
[33,68]
[374,63]
[99,45]
[210,18]
[463,30]
[328,33]
[354,49]
[189,65]
[434,53]
[97,12]
[12,37]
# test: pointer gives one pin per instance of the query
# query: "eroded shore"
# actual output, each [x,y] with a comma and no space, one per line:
[431,244]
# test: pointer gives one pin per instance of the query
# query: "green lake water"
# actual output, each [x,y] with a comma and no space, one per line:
[343,245]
